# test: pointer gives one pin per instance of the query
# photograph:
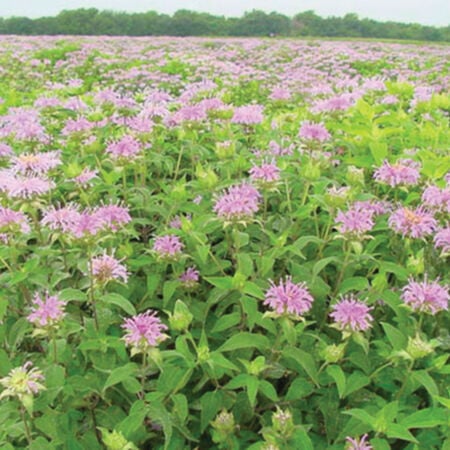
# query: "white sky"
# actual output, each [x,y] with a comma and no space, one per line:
[430,12]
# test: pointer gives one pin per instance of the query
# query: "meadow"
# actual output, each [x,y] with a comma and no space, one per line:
[224,244]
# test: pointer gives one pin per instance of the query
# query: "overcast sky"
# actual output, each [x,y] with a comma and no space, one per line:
[431,12]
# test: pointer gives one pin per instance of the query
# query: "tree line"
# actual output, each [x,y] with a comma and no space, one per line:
[91,21]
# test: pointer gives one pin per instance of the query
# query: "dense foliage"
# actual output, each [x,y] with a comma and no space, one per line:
[231,244]
[190,23]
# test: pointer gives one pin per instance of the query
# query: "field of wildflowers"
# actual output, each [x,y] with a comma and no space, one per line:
[231,244]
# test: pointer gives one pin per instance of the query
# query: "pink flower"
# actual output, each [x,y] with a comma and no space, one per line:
[442,239]
[405,171]
[5,150]
[351,314]
[429,297]
[106,268]
[190,277]
[354,222]
[168,246]
[412,223]
[85,177]
[22,382]
[144,331]
[35,163]
[358,443]
[11,222]
[314,131]
[113,216]
[248,114]
[126,148]
[267,173]
[288,297]
[47,311]
[279,93]
[18,186]
[436,198]
[238,203]
[61,219]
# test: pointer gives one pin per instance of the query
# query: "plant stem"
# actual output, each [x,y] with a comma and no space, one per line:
[25,422]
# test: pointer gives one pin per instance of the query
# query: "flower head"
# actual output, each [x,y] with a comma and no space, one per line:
[168,246]
[35,163]
[126,148]
[266,174]
[144,331]
[47,311]
[351,314]
[354,222]
[313,132]
[358,443]
[425,296]
[248,114]
[405,171]
[238,204]
[416,223]
[288,297]
[22,382]
[442,239]
[106,268]
[189,278]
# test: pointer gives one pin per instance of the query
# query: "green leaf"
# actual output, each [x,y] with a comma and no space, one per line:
[425,418]
[395,430]
[424,378]
[306,361]
[268,390]
[119,374]
[226,321]
[379,151]
[113,298]
[396,338]
[353,284]
[301,440]
[252,384]
[224,283]
[245,340]
[362,416]
[253,290]
[338,376]
[210,403]
[322,263]
[356,381]
[72,295]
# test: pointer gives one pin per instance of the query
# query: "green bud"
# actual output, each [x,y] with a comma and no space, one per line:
[181,317]
[257,365]
[282,423]
[355,176]
[333,353]
[114,440]
[225,149]
[207,178]
[311,171]
[223,426]
[417,348]
[203,354]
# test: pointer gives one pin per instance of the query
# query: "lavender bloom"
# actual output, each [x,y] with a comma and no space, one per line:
[22,382]
[168,246]
[351,314]
[442,239]
[189,278]
[266,174]
[354,222]
[436,198]
[85,177]
[358,443]
[47,310]
[238,204]
[314,131]
[35,163]
[144,331]
[429,297]
[113,216]
[18,186]
[412,223]
[126,148]
[405,171]
[248,114]
[5,150]
[288,297]
[106,268]
[11,222]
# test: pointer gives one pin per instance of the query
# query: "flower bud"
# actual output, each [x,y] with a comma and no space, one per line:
[417,348]
[333,353]
[355,176]
[207,178]
[181,317]
[225,149]
[223,426]
[203,354]
[282,423]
